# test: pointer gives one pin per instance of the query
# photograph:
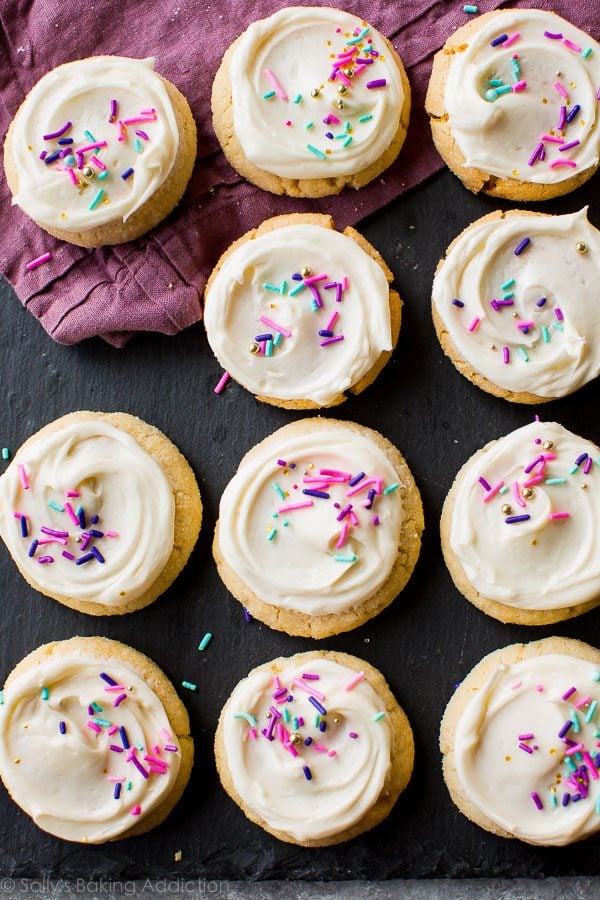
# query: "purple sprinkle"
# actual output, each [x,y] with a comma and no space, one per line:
[95,519]
[495,305]
[353,735]
[24,529]
[377,83]
[512,519]
[53,532]
[115,748]
[356,479]
[375,520]
[344,512]
[559,314]
[524,243]
[140,767]
[108,679]
[338,292]
[316,296]
[65,141]
[81,516]
[505,302]
[581,458]
[281,462]
[370,497]
[322,727]
[62,727]
[46,559]
[91,711]
[525,747]
[280,693]
[320,709]
[531,465]
[113,110]
[68,555]
[43,154]
[554,36]
[565,799]
[247,615]
[117,790]
[322,495]
[120,699]
[126,174]
[308,676]
[56,134]
[331,340]
[538,153]
[506,355]
[484,484]
[576,797]
[573,113]
[325,333]
[541,302]
[499,40]
[97,555]
[298,277]
[142,134]
[329,285]
[308,741]
[458,303]
[562,118]
[568,146]
[565,729]
[300,721]
[171,748]
[536,799]
[568,693]
[263,337]
[329,135]
[292,465]
[124,738]
[307,773]
[51,158]
[33,548]
[95,533]
[84,559]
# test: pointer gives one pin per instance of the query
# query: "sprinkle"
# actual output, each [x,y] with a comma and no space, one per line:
[492,492]
[520,247]
[57,134]
[561,90]
[205,641]
[458,303]
[554,36]
[317,706]
[378,716]
[189,685]
[221,382]
[568,693]
[250,719]
[366,118]
[276,84]
[559,515]
[377,83]
[307,773]
[587,52]
[275,327]
[62,727]
[331,340]
[355,680]
[46,559]
[351,558]
[470,8]
[506,355]
[523,354]
[536,154]
[571,115]
[536,800]
[23,478]
[474,324]
[289,507]
[97,199]
[45,693]
[511,40]
[125,175]
[136,810]
[562,162]
[511,520]
[316,152]
[575,47]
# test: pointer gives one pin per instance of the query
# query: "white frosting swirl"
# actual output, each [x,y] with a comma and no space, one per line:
[499,776]
[116,480]
[306,559]
[540,562]
[299,367]
[65,781]
[59,195]
[499,136]
[272,782]
[552,357]
[299,46]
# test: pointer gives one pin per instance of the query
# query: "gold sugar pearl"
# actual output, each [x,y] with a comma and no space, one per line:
[253,348]
[315,93]
[295,738]
[342,89]
[348,72]
[339,104]
[87,172]
[507,509]
[581,247]
[527,493]
[305,272]
[548,445]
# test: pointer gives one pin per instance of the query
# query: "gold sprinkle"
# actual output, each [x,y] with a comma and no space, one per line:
[515,171]
[315,93]
[253,348]
[508,758]
[544,100]
[17,760]
[507,509]
[492,346]
[548,445]
[581,247]
[305,272]
[348,72]
[527,493]
[534,543]
[584,487]
[339,104]
[342,89]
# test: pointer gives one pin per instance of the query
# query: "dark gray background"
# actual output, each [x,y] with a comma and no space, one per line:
[424,643]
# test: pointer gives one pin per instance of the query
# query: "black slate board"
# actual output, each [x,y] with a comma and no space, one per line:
[424,643]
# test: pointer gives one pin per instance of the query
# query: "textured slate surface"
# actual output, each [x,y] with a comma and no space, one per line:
[424,643]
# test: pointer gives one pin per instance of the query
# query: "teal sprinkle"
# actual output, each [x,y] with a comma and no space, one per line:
[503,489]
[286,715]
[102,176]
[345,559]
[5,453]
[366,118]
[576,723]
[129,785]
[70,160]
[573,469]
[269,348]
[523,353]
[1,698]
[140,747]
[379,716]
[491,95]
[506,89]
[297,98]
[359,37]
[340,137]
[597,461]
[272,534]
[558,326]
[271,287]
[90,136]
[54,505]
[275,515]
[391,488]
[249,718]
[297,290]
[205,641]
[584,55]
[598,806]
[309,125]
[570,764]
[104,722]
[285,523]
[314,306]
[553,799]
[471,8]
[277,339]
[347,127]
[508,296]
[555,481]
[279,491]
[591,711]
[283,288]
[496,82]
[45,693]
[295,723]
[96,199]
[268,95]
[316,151]
[189,685]
[96,706]
[596,676]
[348,141]
[317,720]
[545,334]
[507,285]
[139,147]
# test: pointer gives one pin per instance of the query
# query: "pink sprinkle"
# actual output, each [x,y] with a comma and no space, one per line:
[251,732]
[136,810]
[148,112]
[523,325]
[561,90]
[474,324]
[291,749]
[531,481]
[332,340]
[552,139]
[581,703]
[517,494]
[320,748]
[113,729]
[335,473]
[71,494]
[115,688]
[591,767]
[345,283]
[279,328]
[111,534]
[71,514]
[511,40]
[519,86]
[515,685]
[366,482]
[539,688]
[572,46]
[353,518]
[275,82]
[342,538]
[166,734]
[332,321]
[89,147]
[289,507]
[24,481]
[139,120]
[360,68]
[575,749]
[221,382]
[44,258]
[309,690]
[492,492]
[562,162]
[94,727]
[354,681]
[156,762]
[98,163]
[52,540]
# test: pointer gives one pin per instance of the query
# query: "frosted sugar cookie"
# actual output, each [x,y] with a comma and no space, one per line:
[314,748]
[100,150]
[309,101]
[94,741]
[514,304]
[299,313]
[100,512]
[320,528]
[513,104]
[519,741]
[520,526]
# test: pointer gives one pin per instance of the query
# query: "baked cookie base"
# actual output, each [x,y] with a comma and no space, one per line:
[302,624]
[164,199]
[515,653]
[502,611]
[188,508]
[477,180]
[104,648]
[402,754]
[323,221]
[222,113]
